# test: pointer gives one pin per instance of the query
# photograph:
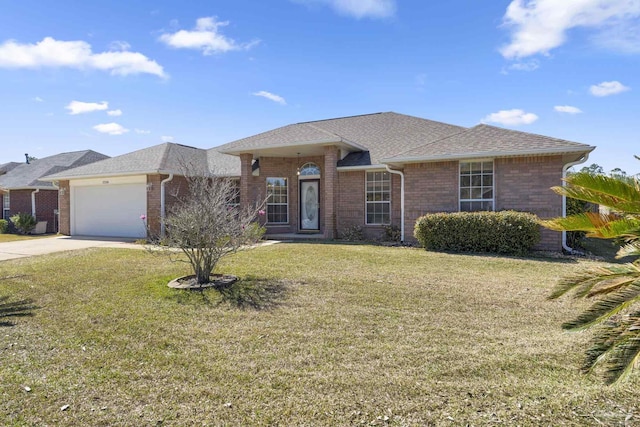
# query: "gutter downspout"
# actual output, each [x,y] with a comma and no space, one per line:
[565,168]
[33,202]
[401,199]
[162,204]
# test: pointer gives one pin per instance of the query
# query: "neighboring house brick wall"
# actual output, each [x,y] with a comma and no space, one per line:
[46,204]
[523,184]
[64,208]
[20,201]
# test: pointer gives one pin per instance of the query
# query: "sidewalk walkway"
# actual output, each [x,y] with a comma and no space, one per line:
[27,248]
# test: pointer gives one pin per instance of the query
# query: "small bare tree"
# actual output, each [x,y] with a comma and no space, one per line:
[207,224]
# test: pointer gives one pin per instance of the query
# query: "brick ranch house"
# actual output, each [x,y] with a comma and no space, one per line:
[25,192]
[107,198]
[323,177]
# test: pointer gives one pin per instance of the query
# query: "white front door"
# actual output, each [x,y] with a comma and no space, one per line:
[309,205]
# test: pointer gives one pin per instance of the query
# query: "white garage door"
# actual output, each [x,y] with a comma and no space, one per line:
[109,210]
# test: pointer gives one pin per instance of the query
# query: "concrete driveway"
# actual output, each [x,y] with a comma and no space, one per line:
[27,248]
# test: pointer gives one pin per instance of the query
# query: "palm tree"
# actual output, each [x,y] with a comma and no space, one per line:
[615,289]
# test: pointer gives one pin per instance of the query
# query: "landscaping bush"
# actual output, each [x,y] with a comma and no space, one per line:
[506,232]
[354,233]
[4,225]
[24,222]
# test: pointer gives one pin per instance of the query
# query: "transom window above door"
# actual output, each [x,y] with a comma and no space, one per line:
[309,170]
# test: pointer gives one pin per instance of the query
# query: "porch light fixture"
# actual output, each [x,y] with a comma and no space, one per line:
[149,186]
[298,165]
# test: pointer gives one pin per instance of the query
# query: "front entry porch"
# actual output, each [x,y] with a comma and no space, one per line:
[295,237]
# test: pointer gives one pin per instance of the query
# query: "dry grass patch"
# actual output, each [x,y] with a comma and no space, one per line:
[312,335]
[15,237]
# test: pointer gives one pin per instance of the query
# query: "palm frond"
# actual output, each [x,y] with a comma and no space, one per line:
[614,192]
[601,344]
[603,226]
[585,282]
[606,307]
[624,357]
[629,249]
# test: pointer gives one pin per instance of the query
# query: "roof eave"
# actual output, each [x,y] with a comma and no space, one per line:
[487,154]
[359,168]
[28,187]
[238,151]
[105,175]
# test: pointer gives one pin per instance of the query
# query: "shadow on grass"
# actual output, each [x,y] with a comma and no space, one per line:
[255,293]
[249,293]
[9,310]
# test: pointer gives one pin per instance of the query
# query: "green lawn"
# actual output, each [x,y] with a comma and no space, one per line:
[314,335]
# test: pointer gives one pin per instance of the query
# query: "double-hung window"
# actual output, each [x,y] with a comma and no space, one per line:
[277,201]
[476,186]
[6,205]
[378,198]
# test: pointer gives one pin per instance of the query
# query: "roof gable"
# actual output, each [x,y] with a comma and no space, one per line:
[381,134]
[162,158]
[28,175]
[486,140]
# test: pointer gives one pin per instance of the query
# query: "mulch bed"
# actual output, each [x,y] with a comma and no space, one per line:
[190,282]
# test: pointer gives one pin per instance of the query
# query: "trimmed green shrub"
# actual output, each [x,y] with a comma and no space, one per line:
[24,222]
[505,232]
[4,225]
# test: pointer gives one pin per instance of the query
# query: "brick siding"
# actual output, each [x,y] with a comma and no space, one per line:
[46,203]
[65,208]
[523,184]
[174,189]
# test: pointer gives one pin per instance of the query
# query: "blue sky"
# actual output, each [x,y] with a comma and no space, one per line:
[119,76]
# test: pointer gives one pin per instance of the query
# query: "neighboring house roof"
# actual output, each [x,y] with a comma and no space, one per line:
[488,141]
[29,175]
[6,167]
[163,158]
[380,134]
[374,139]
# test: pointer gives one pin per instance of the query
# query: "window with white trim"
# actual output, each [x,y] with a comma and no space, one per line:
[476,186]
[6,205]
[277,201]
[378,198]
[309,170]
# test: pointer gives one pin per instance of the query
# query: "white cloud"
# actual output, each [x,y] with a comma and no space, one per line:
[567,109]
[525,66]
[271,96]
[75,54]
[166,138]
[78,107]
[114,113]
[38,99]
[119,45]
[111,128]
[513,117]
[539,26]
[142,131]
[206,37]
[608,88]
[359,8]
